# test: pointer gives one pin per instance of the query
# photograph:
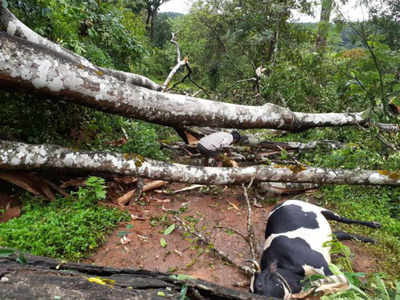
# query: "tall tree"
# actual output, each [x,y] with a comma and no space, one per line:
[235,37]
[386,18]
[152,7]
[323,26]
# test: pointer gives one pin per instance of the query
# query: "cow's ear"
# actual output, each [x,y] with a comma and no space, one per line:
[273,267]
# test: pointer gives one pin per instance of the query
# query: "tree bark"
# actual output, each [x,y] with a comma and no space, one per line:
[29,66]
[20,156]
[15,27]
[44,278]
[323,26]
[29,61]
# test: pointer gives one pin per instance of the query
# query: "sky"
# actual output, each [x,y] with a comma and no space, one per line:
[181,6]
[351,11]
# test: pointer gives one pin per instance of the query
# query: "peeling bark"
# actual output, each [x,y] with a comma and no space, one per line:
[26,65]
[20,156]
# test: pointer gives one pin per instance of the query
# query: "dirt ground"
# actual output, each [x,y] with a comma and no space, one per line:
[215,212]
[206,211]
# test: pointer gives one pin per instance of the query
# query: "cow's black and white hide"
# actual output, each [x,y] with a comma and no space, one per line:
[295,246]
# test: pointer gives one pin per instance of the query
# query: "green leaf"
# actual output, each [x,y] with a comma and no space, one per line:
[129,226]
[183,292]
[181,277]
[21,259]
[334,269]
[6,252]
[163,242]
[397,296]
[161,294]
[4,3]
[170,229]
[122,233]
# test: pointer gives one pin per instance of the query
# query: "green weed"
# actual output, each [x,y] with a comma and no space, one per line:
[65,228]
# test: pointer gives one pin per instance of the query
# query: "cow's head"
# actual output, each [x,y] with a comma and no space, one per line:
[269,282]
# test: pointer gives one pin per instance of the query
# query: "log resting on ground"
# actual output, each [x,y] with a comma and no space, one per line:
[28,66]
[44,278]
[21,156]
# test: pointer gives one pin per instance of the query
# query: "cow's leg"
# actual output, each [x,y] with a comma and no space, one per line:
[343,236]
[329,215]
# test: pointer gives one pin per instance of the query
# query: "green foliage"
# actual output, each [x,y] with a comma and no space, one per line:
[65,228]
[93,191]
[143,140]
[35,119]
[378,289]
[361,286]
[94,29]
[107,34]
[342,254]
[103,132]
[367,203]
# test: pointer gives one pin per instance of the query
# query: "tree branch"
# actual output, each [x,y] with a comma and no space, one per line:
[14,155]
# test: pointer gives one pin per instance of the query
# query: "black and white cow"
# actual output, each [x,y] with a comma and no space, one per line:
[295,246]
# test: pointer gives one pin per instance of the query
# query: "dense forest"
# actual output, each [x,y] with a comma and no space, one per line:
[102,104]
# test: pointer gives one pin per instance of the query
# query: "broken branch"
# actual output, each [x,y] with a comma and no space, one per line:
[21,156]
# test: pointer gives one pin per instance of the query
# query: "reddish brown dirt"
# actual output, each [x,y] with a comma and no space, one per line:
[9,207]
[218,207]
[362,261]
[182,254]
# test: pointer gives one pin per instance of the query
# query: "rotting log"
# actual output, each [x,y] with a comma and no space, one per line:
[44,278]
[21,156]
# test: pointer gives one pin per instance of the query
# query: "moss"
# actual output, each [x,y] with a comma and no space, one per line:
[390,174]
[297,168]
[139,159]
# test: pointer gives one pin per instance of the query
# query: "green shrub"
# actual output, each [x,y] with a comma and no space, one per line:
[66,228]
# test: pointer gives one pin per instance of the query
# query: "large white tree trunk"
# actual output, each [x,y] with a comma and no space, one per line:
[30,61]
[27,65]
[14,155]
[15,27]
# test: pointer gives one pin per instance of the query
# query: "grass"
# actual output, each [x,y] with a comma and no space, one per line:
[67,228]
[374,203]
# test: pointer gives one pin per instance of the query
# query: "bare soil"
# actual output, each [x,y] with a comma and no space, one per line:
[205,211]
[9,207]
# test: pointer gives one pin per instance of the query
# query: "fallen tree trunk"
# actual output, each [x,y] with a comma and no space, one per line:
[44,278]
[14,155]
[15,27]
[29,66]
[28,61]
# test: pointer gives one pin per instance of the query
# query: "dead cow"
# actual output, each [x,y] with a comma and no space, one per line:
[295,239]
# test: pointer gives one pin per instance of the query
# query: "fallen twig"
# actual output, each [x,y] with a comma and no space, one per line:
[246,238]
[207,242]
[250,230]
[189,188]
[139,190]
